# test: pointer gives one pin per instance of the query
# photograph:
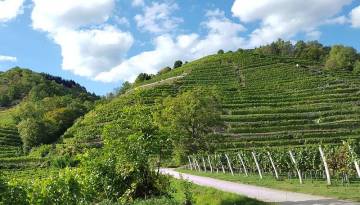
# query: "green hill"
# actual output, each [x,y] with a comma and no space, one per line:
[32,101]
[267,100]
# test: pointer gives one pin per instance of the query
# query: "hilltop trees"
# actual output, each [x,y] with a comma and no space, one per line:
[341,58]
[311,50]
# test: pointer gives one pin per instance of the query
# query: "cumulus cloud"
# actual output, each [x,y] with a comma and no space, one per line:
[222,33]
[52,15]
[355,17]
[88,45]
[9,9]
[285,18]
[157,18]
[7,58]
[89,52]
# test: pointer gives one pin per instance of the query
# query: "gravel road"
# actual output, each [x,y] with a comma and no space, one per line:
[260,193]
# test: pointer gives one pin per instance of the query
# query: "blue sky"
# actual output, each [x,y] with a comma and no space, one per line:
[101,43]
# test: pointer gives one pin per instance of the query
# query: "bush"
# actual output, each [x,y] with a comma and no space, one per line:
[220,51]
[178,64]
[341,58]
[164,70]
[143,77]
[357,67]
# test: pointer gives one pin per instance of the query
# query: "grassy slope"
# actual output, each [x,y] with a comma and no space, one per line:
[350,192]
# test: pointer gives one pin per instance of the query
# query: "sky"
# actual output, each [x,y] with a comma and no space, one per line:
[102,43]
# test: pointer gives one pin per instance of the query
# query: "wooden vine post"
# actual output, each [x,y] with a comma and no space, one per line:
[197,164]
[273,165]
[325,166]
[356,163]
[257,164]
[204,164]
[190,164]
[243,164]
[296,166]
[222,166]
[209,161]
[229,164]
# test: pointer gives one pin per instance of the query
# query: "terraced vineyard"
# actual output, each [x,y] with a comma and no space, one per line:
[10,142]
[267,100]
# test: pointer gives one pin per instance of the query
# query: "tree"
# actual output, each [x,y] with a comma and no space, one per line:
[190,117]
[123,89]
[31,132]
[143,77]
[220,51]
[164,70]
[134,139]
[341,58]
[178,64]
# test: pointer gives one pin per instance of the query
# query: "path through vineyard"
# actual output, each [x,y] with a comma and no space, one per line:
[260,193]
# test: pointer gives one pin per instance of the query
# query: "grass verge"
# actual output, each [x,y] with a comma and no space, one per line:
[347,192]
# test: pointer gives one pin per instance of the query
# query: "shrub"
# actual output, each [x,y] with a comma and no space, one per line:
[357,67]
[178,64]
[220,51]
[341,57]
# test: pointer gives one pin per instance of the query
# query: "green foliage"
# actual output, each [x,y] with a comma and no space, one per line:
[220,51]
[341,58]
[143,77]
[357,67]
[17,83]
[164,70]
[44,121]
[189,117]
[124,87]
[32,133]
[311,50]
[178,64]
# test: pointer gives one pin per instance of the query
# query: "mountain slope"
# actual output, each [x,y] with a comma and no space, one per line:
[267,100]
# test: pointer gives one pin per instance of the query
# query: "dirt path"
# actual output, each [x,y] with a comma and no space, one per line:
[260,193]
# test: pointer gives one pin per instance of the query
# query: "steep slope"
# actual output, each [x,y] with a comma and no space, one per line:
[268,100]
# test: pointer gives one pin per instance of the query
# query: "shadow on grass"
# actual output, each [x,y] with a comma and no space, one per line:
[245,201]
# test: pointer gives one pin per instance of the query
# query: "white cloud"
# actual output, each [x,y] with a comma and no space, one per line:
[285,18]
[136,3]
[355,17]
[52,15]
[88,45]
[9,9]
[158,18]
[89,52]
[222,33]
[7,58]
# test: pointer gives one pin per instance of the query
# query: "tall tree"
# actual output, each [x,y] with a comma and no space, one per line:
[190,117]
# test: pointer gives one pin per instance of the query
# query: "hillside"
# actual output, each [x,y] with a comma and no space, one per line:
[18,83]
[267,100]
[35,109]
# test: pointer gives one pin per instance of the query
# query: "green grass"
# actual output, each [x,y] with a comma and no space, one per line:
[348,192]
[201,196]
